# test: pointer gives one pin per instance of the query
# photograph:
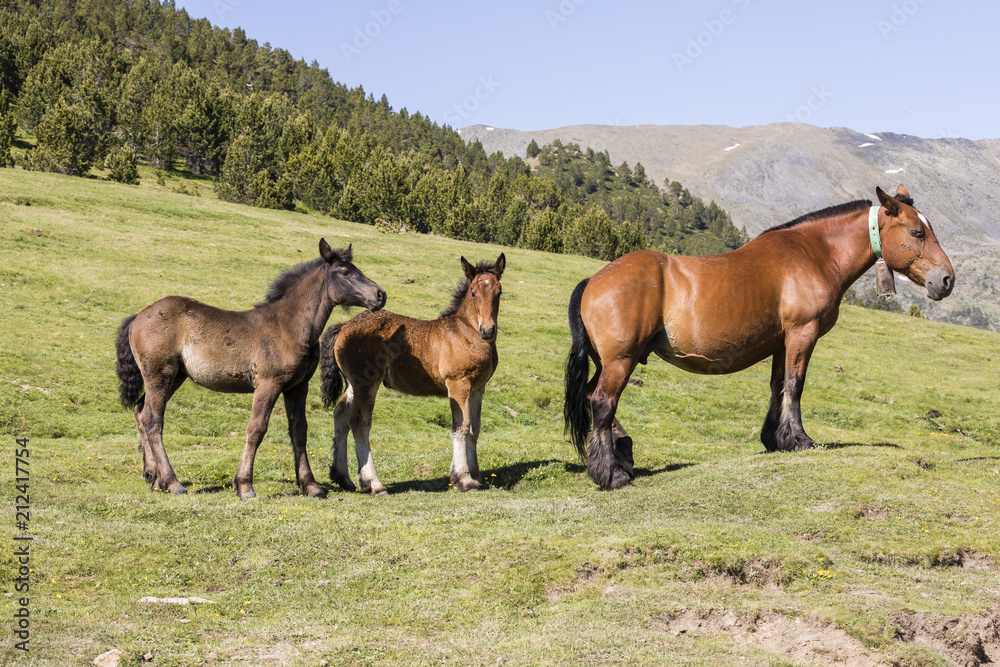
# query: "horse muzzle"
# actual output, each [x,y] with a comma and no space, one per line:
[939,282]
[380,298]
[488,334]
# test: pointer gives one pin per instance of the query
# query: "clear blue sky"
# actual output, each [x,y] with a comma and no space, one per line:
[921,67]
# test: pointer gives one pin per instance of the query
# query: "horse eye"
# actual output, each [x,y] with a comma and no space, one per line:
[918,233]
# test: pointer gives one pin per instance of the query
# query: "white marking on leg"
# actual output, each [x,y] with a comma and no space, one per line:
[459,445]
[366,463]
[341,426]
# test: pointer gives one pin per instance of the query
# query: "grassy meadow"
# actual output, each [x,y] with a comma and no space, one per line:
[878,547]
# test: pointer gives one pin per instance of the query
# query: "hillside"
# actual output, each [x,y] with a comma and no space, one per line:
[97,87]
[879,547]
[770,174]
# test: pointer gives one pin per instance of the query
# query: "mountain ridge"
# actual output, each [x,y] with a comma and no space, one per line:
[765,175]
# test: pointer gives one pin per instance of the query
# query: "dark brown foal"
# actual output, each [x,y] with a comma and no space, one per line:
[270,350]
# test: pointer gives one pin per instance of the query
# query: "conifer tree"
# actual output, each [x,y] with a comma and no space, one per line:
[8,131]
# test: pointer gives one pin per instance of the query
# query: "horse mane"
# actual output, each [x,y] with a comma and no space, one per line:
[288,278]
[839,209]
[463,286]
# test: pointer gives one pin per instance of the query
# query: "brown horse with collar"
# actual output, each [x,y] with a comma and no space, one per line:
[453,356]
[773,297]
[270,350]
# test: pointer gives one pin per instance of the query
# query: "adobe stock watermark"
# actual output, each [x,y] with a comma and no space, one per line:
[900,16]
[816,100]
[562,12]
[364,35]
[458,114]
[223,7]
[704,39]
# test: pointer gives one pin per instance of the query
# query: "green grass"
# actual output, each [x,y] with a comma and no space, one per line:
[540,568]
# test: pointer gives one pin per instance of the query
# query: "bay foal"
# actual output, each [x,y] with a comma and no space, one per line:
[453,356]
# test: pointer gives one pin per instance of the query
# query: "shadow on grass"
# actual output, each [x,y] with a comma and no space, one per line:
[504,477]
[579,468]
[841,445]
[217,488]
[978,458]
[673,467]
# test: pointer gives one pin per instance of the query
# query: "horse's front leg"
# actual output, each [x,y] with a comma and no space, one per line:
[295,409]
[769,432]
[360,420]
[799,344]
[472,443]
[264,399]
[460,397]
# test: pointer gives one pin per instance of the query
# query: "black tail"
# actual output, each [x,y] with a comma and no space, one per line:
[332,385]
[129,377]
[576,408]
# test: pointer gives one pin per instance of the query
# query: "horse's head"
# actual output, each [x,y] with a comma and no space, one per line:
[484,291]
[345,283]
[910,247]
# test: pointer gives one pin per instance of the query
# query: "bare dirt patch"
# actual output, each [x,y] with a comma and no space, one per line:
[873,511]
[966,641]
[798,639]
[755,572]
[967,560]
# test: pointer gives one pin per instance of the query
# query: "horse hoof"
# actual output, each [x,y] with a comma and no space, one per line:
[179,491]
[314,492]
[620,479]
[249,495]
[343,481]
[380,494]
[804,443]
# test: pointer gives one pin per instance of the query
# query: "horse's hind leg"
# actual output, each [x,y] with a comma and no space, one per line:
[148,461]
[339,474]
[360,420]
[260,414]
[623,448]
[603,463]
[295,409]
[156,466]
[622,440]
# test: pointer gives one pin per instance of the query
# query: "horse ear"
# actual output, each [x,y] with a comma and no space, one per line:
[901,191]
[891,205]
[325,251]
[468,269]
[500,265]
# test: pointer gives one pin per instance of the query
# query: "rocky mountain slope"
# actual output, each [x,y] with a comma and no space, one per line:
[765,175]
